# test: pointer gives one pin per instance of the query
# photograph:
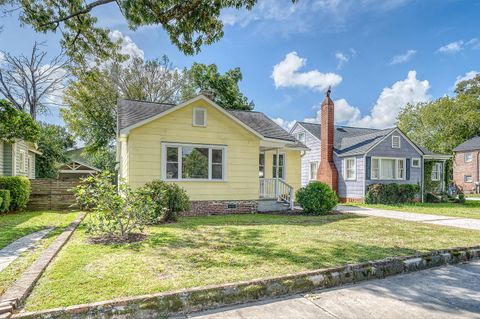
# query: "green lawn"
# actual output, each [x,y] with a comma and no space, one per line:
[14,226]
[200,251]
[471,209]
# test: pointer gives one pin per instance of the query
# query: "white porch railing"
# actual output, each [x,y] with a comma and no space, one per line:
[271,188]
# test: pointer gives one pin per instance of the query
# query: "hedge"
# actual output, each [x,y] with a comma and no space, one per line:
[317,198]
[19,187]
[391,193]
[4,200]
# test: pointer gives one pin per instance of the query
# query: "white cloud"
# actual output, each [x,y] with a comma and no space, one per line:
[286,74]
[274,16]
[467,76]
[403,58]
[452,47]
[127,46]
[287,125]
[391,101]
[342,59]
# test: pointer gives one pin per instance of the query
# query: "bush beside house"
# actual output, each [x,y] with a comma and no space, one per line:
[4,200]
[19,188]
[169,200]
[317,198]
[391,193]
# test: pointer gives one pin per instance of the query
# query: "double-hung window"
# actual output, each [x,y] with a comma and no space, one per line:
[350,169]
[281,166]
[194,162]
[301,137]
[313,170]
[468,157]
[436,171]
[261,165]
[387,168]
[22,158]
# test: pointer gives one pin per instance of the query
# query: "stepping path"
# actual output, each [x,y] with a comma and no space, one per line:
[11,252]
[467,223]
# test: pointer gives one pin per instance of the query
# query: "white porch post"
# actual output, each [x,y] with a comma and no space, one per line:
[276,173]
[422,192]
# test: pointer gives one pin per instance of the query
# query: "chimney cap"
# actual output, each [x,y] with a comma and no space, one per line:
[329,91]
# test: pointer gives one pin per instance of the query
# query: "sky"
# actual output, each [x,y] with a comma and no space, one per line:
[377,55]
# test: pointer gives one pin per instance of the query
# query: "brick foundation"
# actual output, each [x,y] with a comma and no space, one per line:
[219,207]
[351,200]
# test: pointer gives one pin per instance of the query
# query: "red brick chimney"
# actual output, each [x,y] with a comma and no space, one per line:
[327,172]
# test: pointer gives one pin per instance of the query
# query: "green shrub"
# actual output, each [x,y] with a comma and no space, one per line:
[461,198]
[317,198]
[116,215]
[169,198]
[391,193]
[4,200]
[19,187]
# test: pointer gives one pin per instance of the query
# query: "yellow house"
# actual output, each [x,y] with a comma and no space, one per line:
[227,161]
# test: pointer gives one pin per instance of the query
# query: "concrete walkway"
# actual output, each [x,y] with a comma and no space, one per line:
[445,292]
[467,223]
[11,252]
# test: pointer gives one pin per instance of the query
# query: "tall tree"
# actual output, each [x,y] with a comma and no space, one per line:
[31,82]
[190,24]
[15,124]
[224,87]
[91,114]
[54,141]
[443,124]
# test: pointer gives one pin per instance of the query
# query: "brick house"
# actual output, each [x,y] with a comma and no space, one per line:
[466,166]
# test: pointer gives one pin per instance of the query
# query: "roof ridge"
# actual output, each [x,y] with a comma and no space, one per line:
[151,102]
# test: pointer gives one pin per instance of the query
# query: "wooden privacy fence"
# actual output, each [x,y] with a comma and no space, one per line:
[52,194]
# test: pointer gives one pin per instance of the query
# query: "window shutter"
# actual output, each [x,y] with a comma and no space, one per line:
[368,168]
[407,169]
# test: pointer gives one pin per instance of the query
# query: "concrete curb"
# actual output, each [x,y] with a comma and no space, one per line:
[197,299]
[19,291]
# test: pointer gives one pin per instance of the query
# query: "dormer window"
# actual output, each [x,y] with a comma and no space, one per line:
[395,141]
[199,116]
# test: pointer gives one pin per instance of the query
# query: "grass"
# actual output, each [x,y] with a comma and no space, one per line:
[14,226]
[471,209]
[200,251]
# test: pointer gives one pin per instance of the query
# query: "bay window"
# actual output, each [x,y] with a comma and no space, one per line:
[387,168]
[193,162]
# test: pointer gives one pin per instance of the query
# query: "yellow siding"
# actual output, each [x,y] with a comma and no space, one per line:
[144,153]
[293,166]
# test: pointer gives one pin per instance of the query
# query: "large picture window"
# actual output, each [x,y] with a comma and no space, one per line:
[388,168]
[193,162]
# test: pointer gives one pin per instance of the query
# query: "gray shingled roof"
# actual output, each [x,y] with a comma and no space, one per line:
[469,145]
[132,112]
[350,140]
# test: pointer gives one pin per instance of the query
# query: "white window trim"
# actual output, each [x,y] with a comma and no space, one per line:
[399,141]
[435,165]
[264,164]
[23,166]
[301,139]
[354,168]
[310,171]
[284,165]
[380,177]
[419,162]
[471,157]
[180,179]
[204,110]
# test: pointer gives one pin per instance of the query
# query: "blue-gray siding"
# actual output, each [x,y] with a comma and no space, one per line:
[7,159]
[406,150]
[350,188]
[313,155]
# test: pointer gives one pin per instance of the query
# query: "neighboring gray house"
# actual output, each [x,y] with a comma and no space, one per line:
[364,156]
[18,159]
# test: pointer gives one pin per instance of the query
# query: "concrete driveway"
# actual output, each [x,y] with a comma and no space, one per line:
[445,292]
